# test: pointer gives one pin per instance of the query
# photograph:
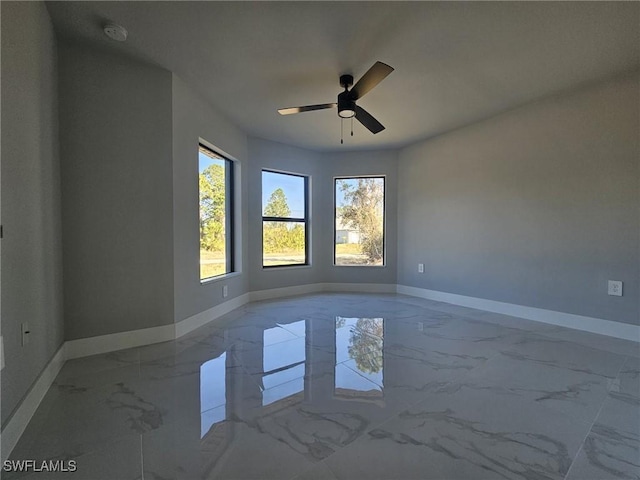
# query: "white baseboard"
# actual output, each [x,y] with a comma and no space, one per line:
[196,321]
[321,287]
[359,287]
[600,326]
[258,295]
[84,347]
[22,416]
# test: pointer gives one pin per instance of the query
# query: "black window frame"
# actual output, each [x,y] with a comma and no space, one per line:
[304,220]
[384,218]
[229,210]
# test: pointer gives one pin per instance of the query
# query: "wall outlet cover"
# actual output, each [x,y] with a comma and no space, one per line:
[615,288]
[421,268]
[225,291]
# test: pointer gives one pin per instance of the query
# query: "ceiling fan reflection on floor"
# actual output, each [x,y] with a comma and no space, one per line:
[346,104]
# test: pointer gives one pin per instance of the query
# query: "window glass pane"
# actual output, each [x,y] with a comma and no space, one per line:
[283,195]
[214,193]
[359,222]
[283,243]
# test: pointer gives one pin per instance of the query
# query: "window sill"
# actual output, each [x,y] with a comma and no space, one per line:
[226,276]
[285,267]
[360,266]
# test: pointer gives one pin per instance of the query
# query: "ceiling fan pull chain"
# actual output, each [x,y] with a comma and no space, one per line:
[341,130]
[352,126]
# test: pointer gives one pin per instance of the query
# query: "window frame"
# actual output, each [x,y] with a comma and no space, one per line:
[304,220]
[384,218]
[229,210]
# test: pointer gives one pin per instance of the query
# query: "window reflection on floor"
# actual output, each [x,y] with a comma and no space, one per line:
[275,365]
[212,392]
[283,363]
[359,357]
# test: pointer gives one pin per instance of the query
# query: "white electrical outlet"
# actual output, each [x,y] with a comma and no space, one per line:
[421,268]
[615,288]
[25,334]
[225,291]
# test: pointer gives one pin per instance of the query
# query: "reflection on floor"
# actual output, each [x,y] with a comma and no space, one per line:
[349,386]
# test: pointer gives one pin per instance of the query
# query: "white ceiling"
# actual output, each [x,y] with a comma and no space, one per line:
[455,63]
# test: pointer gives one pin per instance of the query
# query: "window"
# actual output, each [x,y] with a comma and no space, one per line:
[216,219]
[285,228]
[359,221]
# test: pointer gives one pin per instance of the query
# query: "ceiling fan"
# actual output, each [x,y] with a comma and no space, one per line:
[346,104]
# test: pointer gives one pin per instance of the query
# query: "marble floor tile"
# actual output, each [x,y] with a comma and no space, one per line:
[564,354]
[348,386]
[612,448]
[231,449]
[117,460]
[600,342]
[628,380]
[318,472]
[97,364]
[465,434]
[576,395]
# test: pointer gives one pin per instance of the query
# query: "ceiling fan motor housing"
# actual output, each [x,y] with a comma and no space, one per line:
[346,106]
[346,81]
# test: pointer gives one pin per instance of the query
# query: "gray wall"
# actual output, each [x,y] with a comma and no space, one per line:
[537,207]
[285,158]
[194,119]
[354,164]
[31,248]
[116,168]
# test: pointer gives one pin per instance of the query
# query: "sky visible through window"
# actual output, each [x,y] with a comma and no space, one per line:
[206,160]
[293,187]
[352,182]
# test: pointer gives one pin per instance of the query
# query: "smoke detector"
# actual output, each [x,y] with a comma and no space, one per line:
[115,32]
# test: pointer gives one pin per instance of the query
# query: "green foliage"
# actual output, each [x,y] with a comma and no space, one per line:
[212,208]
[278,237]
[366,344]
[281,237]
[277,205]
[364,212]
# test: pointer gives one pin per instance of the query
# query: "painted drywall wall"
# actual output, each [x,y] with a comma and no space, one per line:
[269,155]
[117,181]
[194,119]
[32,246]
[537,207]
[384,162]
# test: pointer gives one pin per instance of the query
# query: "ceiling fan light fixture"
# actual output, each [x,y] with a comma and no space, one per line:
[346,113]
[346,105]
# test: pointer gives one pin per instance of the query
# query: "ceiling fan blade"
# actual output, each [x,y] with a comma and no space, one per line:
[368,121]
[373,77]
[307,108]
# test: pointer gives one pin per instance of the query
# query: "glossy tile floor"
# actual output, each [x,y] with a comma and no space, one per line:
[349,386]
